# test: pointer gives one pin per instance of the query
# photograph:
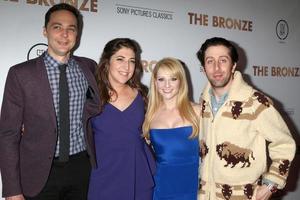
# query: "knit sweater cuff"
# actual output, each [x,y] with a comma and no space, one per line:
[278,172]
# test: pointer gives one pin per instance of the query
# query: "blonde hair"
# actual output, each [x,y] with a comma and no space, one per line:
[184,105]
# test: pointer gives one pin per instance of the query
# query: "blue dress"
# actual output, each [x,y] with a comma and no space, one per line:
[177,162]
[124,160]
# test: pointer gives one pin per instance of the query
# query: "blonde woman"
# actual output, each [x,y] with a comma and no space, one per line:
[172,126]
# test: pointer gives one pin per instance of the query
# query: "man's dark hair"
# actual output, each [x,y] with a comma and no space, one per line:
[64,6]
[215,41]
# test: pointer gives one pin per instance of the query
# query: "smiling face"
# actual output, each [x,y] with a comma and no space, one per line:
[167,84]
[61,33]
[121,67]
[219,67]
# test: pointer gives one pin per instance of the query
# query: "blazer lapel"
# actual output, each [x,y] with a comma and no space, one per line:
[44,89]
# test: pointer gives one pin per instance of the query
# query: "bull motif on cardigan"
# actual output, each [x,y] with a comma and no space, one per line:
[203,149]
[262,98]
[248,191]
[234,154]
[226,191]
[203,108]
[236,109]
[284,167]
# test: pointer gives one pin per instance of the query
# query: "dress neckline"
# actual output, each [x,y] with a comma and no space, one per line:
[179,127]
[132,102]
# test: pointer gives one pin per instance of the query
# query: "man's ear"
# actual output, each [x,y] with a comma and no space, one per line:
[44,31]
[233,68]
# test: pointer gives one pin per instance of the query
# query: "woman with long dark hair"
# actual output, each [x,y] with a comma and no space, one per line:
[124,162]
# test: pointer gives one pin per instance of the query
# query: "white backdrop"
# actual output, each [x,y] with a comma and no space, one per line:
[267,33]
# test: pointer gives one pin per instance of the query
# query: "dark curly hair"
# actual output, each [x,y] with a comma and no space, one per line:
[215,41]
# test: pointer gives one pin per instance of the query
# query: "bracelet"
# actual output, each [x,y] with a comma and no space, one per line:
[272,187]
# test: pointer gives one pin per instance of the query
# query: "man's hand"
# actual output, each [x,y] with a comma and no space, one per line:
[263,193]
[17,197]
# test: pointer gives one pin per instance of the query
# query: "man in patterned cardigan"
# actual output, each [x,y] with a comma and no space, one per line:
[240,127]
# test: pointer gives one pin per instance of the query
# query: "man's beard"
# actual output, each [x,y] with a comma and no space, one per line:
[220,83]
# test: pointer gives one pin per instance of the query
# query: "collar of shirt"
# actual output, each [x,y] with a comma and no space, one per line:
[217,104]
[51,62]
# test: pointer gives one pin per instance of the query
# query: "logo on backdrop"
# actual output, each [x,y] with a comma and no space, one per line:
[222,22]
[289,111]
[276,71]
[82,5]
[282,29]
[148,65]
[144,12]
[36,50]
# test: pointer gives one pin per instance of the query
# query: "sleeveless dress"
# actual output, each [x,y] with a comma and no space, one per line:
[124,160]
[177,162]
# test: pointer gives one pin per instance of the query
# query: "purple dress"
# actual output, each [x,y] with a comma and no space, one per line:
[125,163]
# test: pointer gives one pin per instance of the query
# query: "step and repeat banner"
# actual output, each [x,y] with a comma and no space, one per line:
[266,33]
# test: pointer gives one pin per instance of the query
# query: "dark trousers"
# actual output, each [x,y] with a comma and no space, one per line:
[67,181]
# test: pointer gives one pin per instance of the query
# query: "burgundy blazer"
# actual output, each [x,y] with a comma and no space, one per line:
[25,160]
